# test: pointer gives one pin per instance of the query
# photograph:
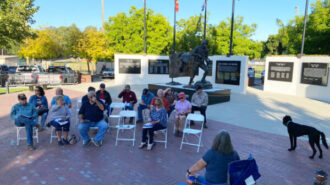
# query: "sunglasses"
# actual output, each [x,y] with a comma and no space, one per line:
[22,98]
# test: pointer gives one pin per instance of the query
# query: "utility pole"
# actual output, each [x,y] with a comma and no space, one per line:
[205,14]
[297,11]
[232,28]
[174,27]
[102,14]
[145,27]
[304,31]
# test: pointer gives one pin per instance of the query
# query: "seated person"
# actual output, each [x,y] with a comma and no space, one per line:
[146,98]
[199,102]
[39,100]
[60,119]
[85,99]
[160,95]
[25,114]
[129,97]
[91,115]
[183,108]
[67,101]
[104,96]
[172,98]
[158,119]
[216,160]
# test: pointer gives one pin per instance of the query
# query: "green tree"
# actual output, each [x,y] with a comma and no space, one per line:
[289,37]
[68,39]
[15,20]
[125,32]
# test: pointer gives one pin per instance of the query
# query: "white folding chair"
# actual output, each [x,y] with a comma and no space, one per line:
[122,126]
[53,134]
[197,132]
[115,105]
[163,131]
[18,135]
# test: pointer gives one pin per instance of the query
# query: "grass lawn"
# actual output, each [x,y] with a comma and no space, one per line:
[13,89]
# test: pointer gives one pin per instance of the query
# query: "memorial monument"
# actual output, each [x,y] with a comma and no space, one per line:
[188,64]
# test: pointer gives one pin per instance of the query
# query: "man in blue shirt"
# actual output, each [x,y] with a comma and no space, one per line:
[91,115]
[145,103]
[67,101]
[25,114]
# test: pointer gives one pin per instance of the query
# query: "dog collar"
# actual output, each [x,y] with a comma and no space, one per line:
[287,123]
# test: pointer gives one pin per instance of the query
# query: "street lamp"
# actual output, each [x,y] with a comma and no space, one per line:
[231,29]
[304,31]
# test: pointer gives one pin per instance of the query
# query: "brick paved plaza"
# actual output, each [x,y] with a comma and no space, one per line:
[125,164]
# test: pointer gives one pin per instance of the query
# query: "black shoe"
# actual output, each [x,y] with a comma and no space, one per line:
[96,143]
[65,141]
[31,147]
[177,133]
[205,126]
[60,143]
[87,143]
[48,124]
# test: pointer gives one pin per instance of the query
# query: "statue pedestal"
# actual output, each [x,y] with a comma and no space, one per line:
[215,95]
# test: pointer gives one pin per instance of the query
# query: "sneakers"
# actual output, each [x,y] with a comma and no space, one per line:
[142,145]
[87,143]
[96,143]
[60,143]
[150,146]
[65,141]
[31,147]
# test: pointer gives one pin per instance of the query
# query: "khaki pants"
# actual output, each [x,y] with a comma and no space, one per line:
[179,122]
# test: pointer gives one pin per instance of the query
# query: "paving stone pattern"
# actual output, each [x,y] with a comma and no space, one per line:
[125,164]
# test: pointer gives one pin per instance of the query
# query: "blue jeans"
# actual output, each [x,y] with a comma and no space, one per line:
[84,127]
[43,119]
[129,106]
[29,124]
[140,108]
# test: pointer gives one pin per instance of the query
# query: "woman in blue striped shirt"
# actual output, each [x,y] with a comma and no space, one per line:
[158,120]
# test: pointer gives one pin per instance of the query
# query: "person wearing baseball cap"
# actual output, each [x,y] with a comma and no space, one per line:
[183,108]
[146,99]
[199,102]
[25,114]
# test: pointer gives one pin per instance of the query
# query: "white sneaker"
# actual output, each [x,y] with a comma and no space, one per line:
[150,146]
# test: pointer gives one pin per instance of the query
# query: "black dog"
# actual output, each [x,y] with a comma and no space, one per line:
[295,130]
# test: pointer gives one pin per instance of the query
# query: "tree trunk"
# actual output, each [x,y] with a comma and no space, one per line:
[88,68]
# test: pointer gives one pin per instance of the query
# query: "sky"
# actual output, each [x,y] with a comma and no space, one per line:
[89,12]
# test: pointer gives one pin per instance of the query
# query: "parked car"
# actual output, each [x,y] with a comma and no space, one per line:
[108,73]
[57,75]
[25,74]
[12,69]
[3,75]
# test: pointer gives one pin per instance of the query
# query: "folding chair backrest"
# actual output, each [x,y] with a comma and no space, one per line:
[239,171]
[117,105]
[195,117]
[128,113]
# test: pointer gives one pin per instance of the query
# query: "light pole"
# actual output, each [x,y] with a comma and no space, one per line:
[102,14]
[144,30]
[174,27]
[231,29]
[304,31]
[205,19]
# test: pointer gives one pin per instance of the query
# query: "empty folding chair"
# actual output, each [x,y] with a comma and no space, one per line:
[114,106]
[122,126]
[197,132]
[18,135]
